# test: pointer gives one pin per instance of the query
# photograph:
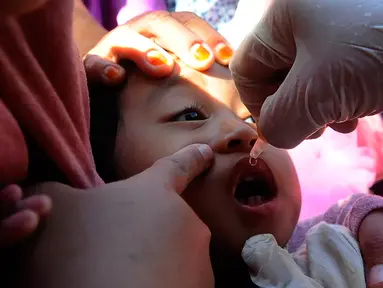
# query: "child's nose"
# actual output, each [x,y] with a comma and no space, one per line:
[236,138]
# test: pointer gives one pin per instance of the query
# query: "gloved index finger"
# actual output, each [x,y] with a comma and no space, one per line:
[257,71]
[266,51]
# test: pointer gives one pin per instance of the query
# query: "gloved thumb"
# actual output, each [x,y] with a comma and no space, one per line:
[179,169]
[370,236]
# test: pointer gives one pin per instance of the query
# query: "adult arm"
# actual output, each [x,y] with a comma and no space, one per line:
[86,30]
[133,233]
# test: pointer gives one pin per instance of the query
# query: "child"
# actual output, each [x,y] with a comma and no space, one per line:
[36,88]
[152,118]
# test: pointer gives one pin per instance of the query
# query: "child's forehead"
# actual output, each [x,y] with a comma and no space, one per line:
[215,82]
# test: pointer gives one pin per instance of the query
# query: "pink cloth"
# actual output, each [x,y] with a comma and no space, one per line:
[134,8]
[349,213]
[109,13]
[336,165]
[44,94]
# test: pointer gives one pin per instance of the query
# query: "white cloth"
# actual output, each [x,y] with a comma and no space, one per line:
[247,15]
[330,258]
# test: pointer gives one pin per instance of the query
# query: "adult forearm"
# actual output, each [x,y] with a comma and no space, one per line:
[104,238]
[87,31]
[80,245]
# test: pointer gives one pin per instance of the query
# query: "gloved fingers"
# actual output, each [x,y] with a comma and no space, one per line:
[222,49]
[345,127]
[264,57]
[162,28]
[317,134]
[298,109]
[313,95]
[257,71]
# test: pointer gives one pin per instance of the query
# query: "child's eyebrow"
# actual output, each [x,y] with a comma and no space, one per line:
[161,91]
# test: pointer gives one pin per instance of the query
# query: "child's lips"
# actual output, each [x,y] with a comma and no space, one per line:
[254,187]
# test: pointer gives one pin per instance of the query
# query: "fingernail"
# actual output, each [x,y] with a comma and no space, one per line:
[205,151]
[156,58]
[375,275]
[112,72]
[224,52]
[200,52]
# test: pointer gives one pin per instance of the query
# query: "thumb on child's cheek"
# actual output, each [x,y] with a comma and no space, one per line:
[370,238]
[375,277]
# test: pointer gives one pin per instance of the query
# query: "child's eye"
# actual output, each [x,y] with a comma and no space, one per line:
[249,119]
[189,114]
[194,112]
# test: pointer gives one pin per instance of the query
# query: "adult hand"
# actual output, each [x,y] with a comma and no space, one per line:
[19,217]
[371,245]
[144,40]
[331,52]
[133,233]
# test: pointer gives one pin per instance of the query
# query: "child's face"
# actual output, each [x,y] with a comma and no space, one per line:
[234,199]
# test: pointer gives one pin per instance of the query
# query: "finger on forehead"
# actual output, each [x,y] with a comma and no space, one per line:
[207,33]
[200,27]
[100,70]
[173,36]
[125,43]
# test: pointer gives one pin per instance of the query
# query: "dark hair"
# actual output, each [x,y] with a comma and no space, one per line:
[104,120]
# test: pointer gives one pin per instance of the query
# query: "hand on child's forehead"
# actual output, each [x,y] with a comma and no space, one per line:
[215,82]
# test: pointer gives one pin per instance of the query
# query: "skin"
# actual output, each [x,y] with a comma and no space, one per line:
[153,125]
[19,7]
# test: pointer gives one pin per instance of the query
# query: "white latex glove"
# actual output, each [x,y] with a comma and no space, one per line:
[332,54]
[330,257]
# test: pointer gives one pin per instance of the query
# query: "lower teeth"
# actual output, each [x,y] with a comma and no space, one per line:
[254,200]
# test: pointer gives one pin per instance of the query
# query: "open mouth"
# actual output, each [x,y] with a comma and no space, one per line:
[254,185]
